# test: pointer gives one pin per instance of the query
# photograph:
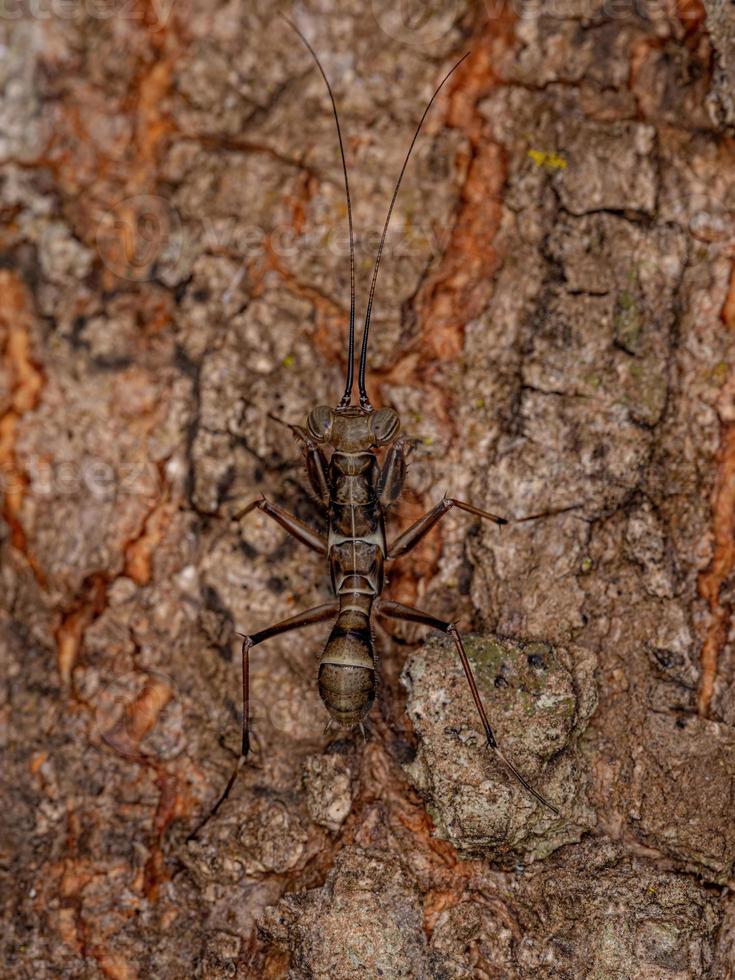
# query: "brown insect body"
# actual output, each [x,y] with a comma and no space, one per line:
[355,491]
[356,551]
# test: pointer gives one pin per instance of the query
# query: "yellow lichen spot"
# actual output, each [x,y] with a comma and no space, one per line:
[552,161]
[719,373]
[288,361]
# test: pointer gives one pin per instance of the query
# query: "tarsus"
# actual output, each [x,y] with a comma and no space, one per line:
[524,782]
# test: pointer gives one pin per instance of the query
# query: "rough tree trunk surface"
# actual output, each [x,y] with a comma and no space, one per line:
[555,325]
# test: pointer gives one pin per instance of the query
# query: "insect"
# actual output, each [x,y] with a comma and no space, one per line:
[355,491]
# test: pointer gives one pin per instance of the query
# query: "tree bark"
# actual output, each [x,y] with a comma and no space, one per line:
[554,323]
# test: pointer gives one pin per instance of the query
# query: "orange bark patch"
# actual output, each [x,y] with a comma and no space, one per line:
[461,286]
[124,737]
[37,760]
[453,877]
[691,13]
[640,51]
[171,804]
[139,553]
[721,567]
[70,633]
[146,708]
[306,187]
[152,126]
[719,570]
[26,380]
[728,310]
[66,924]
[418,821]
[436,902]
[138,718]
[73,876]
[276,964]
[113,965]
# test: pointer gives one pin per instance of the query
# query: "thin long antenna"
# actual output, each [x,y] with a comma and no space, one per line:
[364,400]
[347,397]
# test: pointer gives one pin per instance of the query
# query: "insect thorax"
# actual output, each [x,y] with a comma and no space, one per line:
[356,537]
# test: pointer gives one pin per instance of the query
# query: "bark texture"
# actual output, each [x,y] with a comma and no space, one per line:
[555,324]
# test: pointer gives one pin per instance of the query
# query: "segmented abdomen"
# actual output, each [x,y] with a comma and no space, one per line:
[347,667]
[347,692]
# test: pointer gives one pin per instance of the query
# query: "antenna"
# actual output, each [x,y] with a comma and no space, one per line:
[364,400]
[347,397]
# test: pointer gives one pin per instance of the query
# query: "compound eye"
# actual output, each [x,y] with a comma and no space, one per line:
[384,426]
[319,422]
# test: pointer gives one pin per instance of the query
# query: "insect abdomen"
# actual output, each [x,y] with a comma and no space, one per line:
[347,669]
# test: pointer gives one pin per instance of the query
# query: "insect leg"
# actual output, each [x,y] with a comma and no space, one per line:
[316,463]
[316,470]
[396,610]
[318,614]
[393,473]
[411,537]
[296,528]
